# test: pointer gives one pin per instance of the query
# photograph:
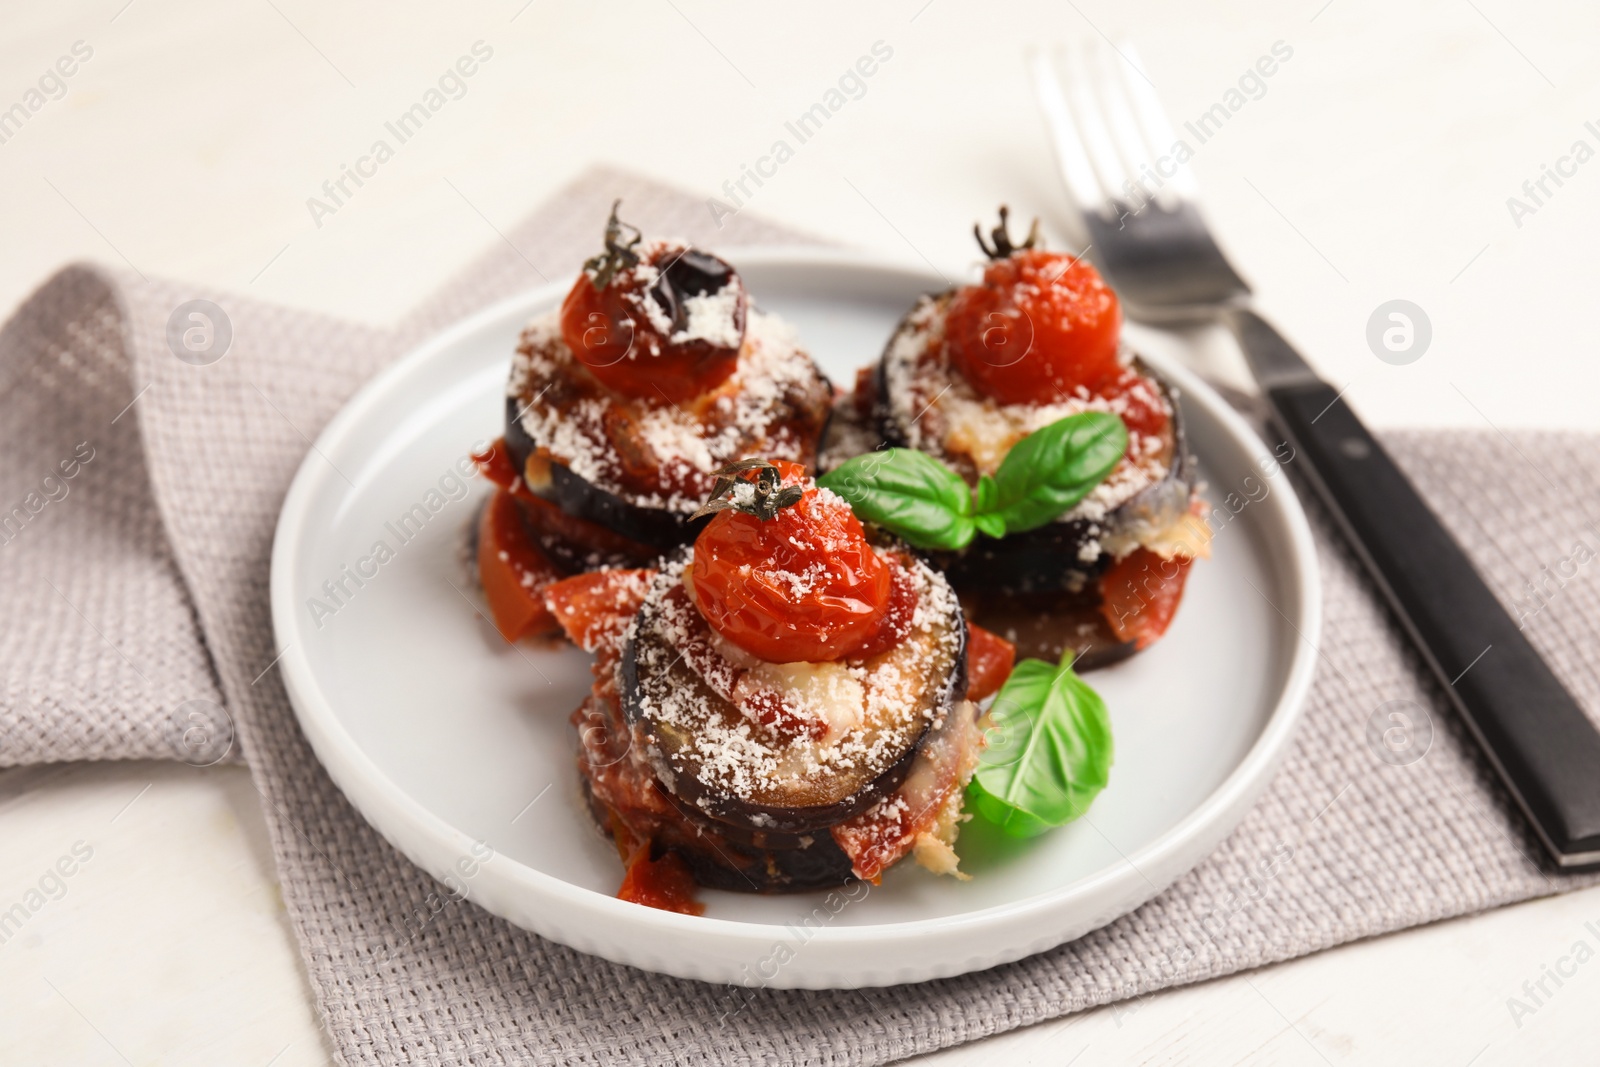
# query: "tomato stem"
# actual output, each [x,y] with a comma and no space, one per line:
[619,254]
[1001,236]
[768,495]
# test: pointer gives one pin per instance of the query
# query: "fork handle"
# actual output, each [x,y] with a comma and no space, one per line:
[1532,729]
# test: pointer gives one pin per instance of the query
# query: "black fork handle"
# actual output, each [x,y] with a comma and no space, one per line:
[1544,747]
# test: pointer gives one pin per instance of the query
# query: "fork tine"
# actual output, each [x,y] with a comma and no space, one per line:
[1151,117]
[1113,73]
[1109,131]
[1082,182]
[1083,96]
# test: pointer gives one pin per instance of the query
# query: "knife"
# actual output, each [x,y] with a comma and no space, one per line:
[1545,748]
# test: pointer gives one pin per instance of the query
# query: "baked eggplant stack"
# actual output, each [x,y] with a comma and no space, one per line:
[656,371]
[972,373]
[790,690]
[781,706]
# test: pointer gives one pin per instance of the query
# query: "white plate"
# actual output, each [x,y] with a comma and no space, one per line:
[443,736]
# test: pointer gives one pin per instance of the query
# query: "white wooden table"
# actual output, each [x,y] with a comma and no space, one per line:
[1375,165]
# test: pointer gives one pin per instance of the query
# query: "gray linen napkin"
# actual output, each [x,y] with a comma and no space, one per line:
[139,627]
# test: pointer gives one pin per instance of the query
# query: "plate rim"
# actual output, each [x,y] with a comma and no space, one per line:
[366,785]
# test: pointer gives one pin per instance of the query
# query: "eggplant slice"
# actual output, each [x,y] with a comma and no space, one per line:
[749,779]
[642,468]
[1042,625]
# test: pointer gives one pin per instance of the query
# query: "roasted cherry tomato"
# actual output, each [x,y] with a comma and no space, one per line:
[1041,325]
[663,323]
[990,658]
[801,586]
[513,570]
[895,625]
[1140,594]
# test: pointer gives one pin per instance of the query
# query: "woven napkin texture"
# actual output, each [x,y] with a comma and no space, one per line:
[138,627]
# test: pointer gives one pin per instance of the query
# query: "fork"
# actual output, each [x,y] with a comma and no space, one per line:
[1147,234]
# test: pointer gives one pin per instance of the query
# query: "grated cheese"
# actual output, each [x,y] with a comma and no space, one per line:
[712,317]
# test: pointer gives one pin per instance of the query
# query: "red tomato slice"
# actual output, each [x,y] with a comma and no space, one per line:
[895,624]
[1041,326]
[594,607]
[552,527]
[990,658]
[1140,594]
[609,332]
[513,570]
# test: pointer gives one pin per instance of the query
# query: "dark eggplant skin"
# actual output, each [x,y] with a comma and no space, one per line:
[820,801]
[738,859]
[811,862]
[1043,625]
[820,865]
[766,862]
[661,529]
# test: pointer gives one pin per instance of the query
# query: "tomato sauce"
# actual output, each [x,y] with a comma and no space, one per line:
[569,541]
[594,610]
[664,883]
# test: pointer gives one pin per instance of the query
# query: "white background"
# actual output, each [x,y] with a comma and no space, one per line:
[1376,166]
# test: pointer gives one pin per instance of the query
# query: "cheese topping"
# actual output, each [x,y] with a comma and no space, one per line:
[832,691]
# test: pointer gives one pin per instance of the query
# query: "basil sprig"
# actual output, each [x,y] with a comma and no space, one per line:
[911,494]
[908,493]
[1049,752]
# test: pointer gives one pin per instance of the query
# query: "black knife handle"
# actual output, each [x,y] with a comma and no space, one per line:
[1539,739]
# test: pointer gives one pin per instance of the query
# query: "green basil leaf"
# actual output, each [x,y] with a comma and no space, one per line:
[983,517]
[1049,752]
[983,497]
[908,493]
[989,523]
[1049,471]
